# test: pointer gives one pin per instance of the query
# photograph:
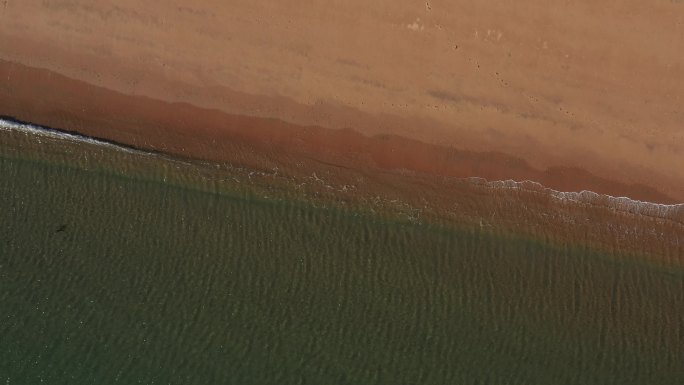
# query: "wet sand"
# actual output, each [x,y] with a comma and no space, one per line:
[576,96]
[209,134]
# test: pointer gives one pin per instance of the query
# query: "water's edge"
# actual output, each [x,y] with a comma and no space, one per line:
[621,204]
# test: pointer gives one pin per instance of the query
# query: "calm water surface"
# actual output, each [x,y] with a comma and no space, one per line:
[107,279]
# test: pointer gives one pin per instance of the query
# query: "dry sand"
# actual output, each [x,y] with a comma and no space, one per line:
[577,95]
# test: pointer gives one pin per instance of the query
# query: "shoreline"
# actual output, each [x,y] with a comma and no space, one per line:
[525,209]
[192,132]
[620,203]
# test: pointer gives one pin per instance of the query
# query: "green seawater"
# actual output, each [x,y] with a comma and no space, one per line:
[107,279]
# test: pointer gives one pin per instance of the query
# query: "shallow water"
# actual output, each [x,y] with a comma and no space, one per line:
[106,278]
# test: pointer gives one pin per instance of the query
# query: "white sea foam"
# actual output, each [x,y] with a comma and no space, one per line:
[622,204]
[39,131]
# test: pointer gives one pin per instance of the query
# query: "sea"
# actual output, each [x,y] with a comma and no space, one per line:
[120,266]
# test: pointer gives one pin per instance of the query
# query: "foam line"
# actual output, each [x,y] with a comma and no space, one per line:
[622,204]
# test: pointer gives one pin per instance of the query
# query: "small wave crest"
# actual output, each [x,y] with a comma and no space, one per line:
[621,204]
[40,131]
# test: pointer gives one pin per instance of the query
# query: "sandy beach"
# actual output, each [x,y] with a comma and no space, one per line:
[575,96]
